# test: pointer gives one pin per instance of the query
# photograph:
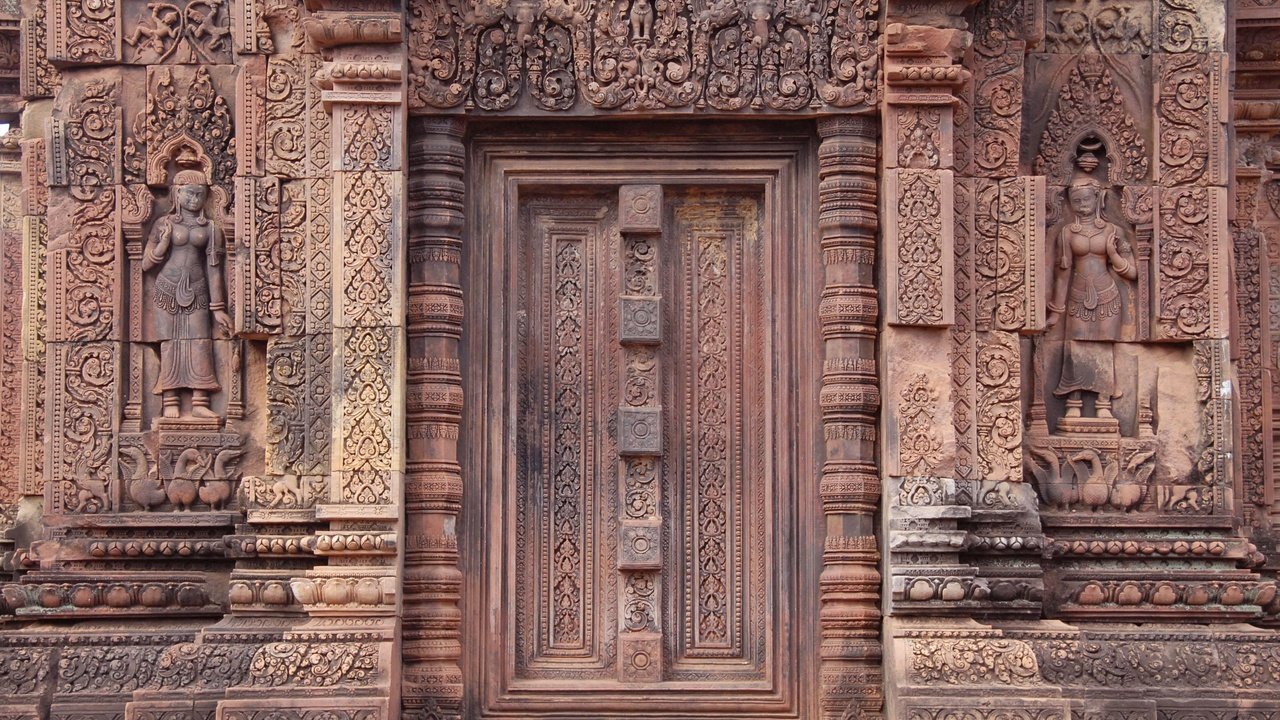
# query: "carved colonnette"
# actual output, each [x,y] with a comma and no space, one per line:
[433,582]
[850,401]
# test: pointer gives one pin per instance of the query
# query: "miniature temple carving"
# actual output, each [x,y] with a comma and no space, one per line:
[809,359]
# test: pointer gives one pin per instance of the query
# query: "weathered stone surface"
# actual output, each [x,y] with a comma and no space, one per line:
[531,358]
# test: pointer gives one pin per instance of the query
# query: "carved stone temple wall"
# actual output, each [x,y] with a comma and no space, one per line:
[821,359]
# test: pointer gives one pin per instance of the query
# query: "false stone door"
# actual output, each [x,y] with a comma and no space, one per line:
[640,451]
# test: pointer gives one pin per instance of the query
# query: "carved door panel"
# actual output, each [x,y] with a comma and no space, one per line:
[638,460]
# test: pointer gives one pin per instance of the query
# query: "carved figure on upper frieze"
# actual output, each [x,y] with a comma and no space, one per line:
[178,31]
[641,20]
[188,299]
[157,32]
[1094,261]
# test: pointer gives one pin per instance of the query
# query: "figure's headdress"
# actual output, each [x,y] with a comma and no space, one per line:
[1087,162]
[190,177]
[190,172]
[1083,176]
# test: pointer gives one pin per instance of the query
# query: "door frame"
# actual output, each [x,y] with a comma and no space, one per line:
[782,159]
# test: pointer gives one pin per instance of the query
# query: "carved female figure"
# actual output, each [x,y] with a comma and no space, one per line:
[1093,260]
[188,296]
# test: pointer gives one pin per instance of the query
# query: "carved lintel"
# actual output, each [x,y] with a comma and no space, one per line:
[534,56]
[333,28]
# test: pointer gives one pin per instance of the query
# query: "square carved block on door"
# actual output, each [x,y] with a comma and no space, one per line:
[640,545]
[639,431]
[641,657]
[650,513]
[641,320]
[640,208]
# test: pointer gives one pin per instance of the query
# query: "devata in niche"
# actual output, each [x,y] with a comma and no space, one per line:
[188,298]
[1093,262]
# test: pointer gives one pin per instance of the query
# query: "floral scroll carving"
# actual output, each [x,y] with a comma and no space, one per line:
[1090,102]
[638,54]
[924,284]
[84,31]
[919,442]
[39,78]
[182,110]
[320,664]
